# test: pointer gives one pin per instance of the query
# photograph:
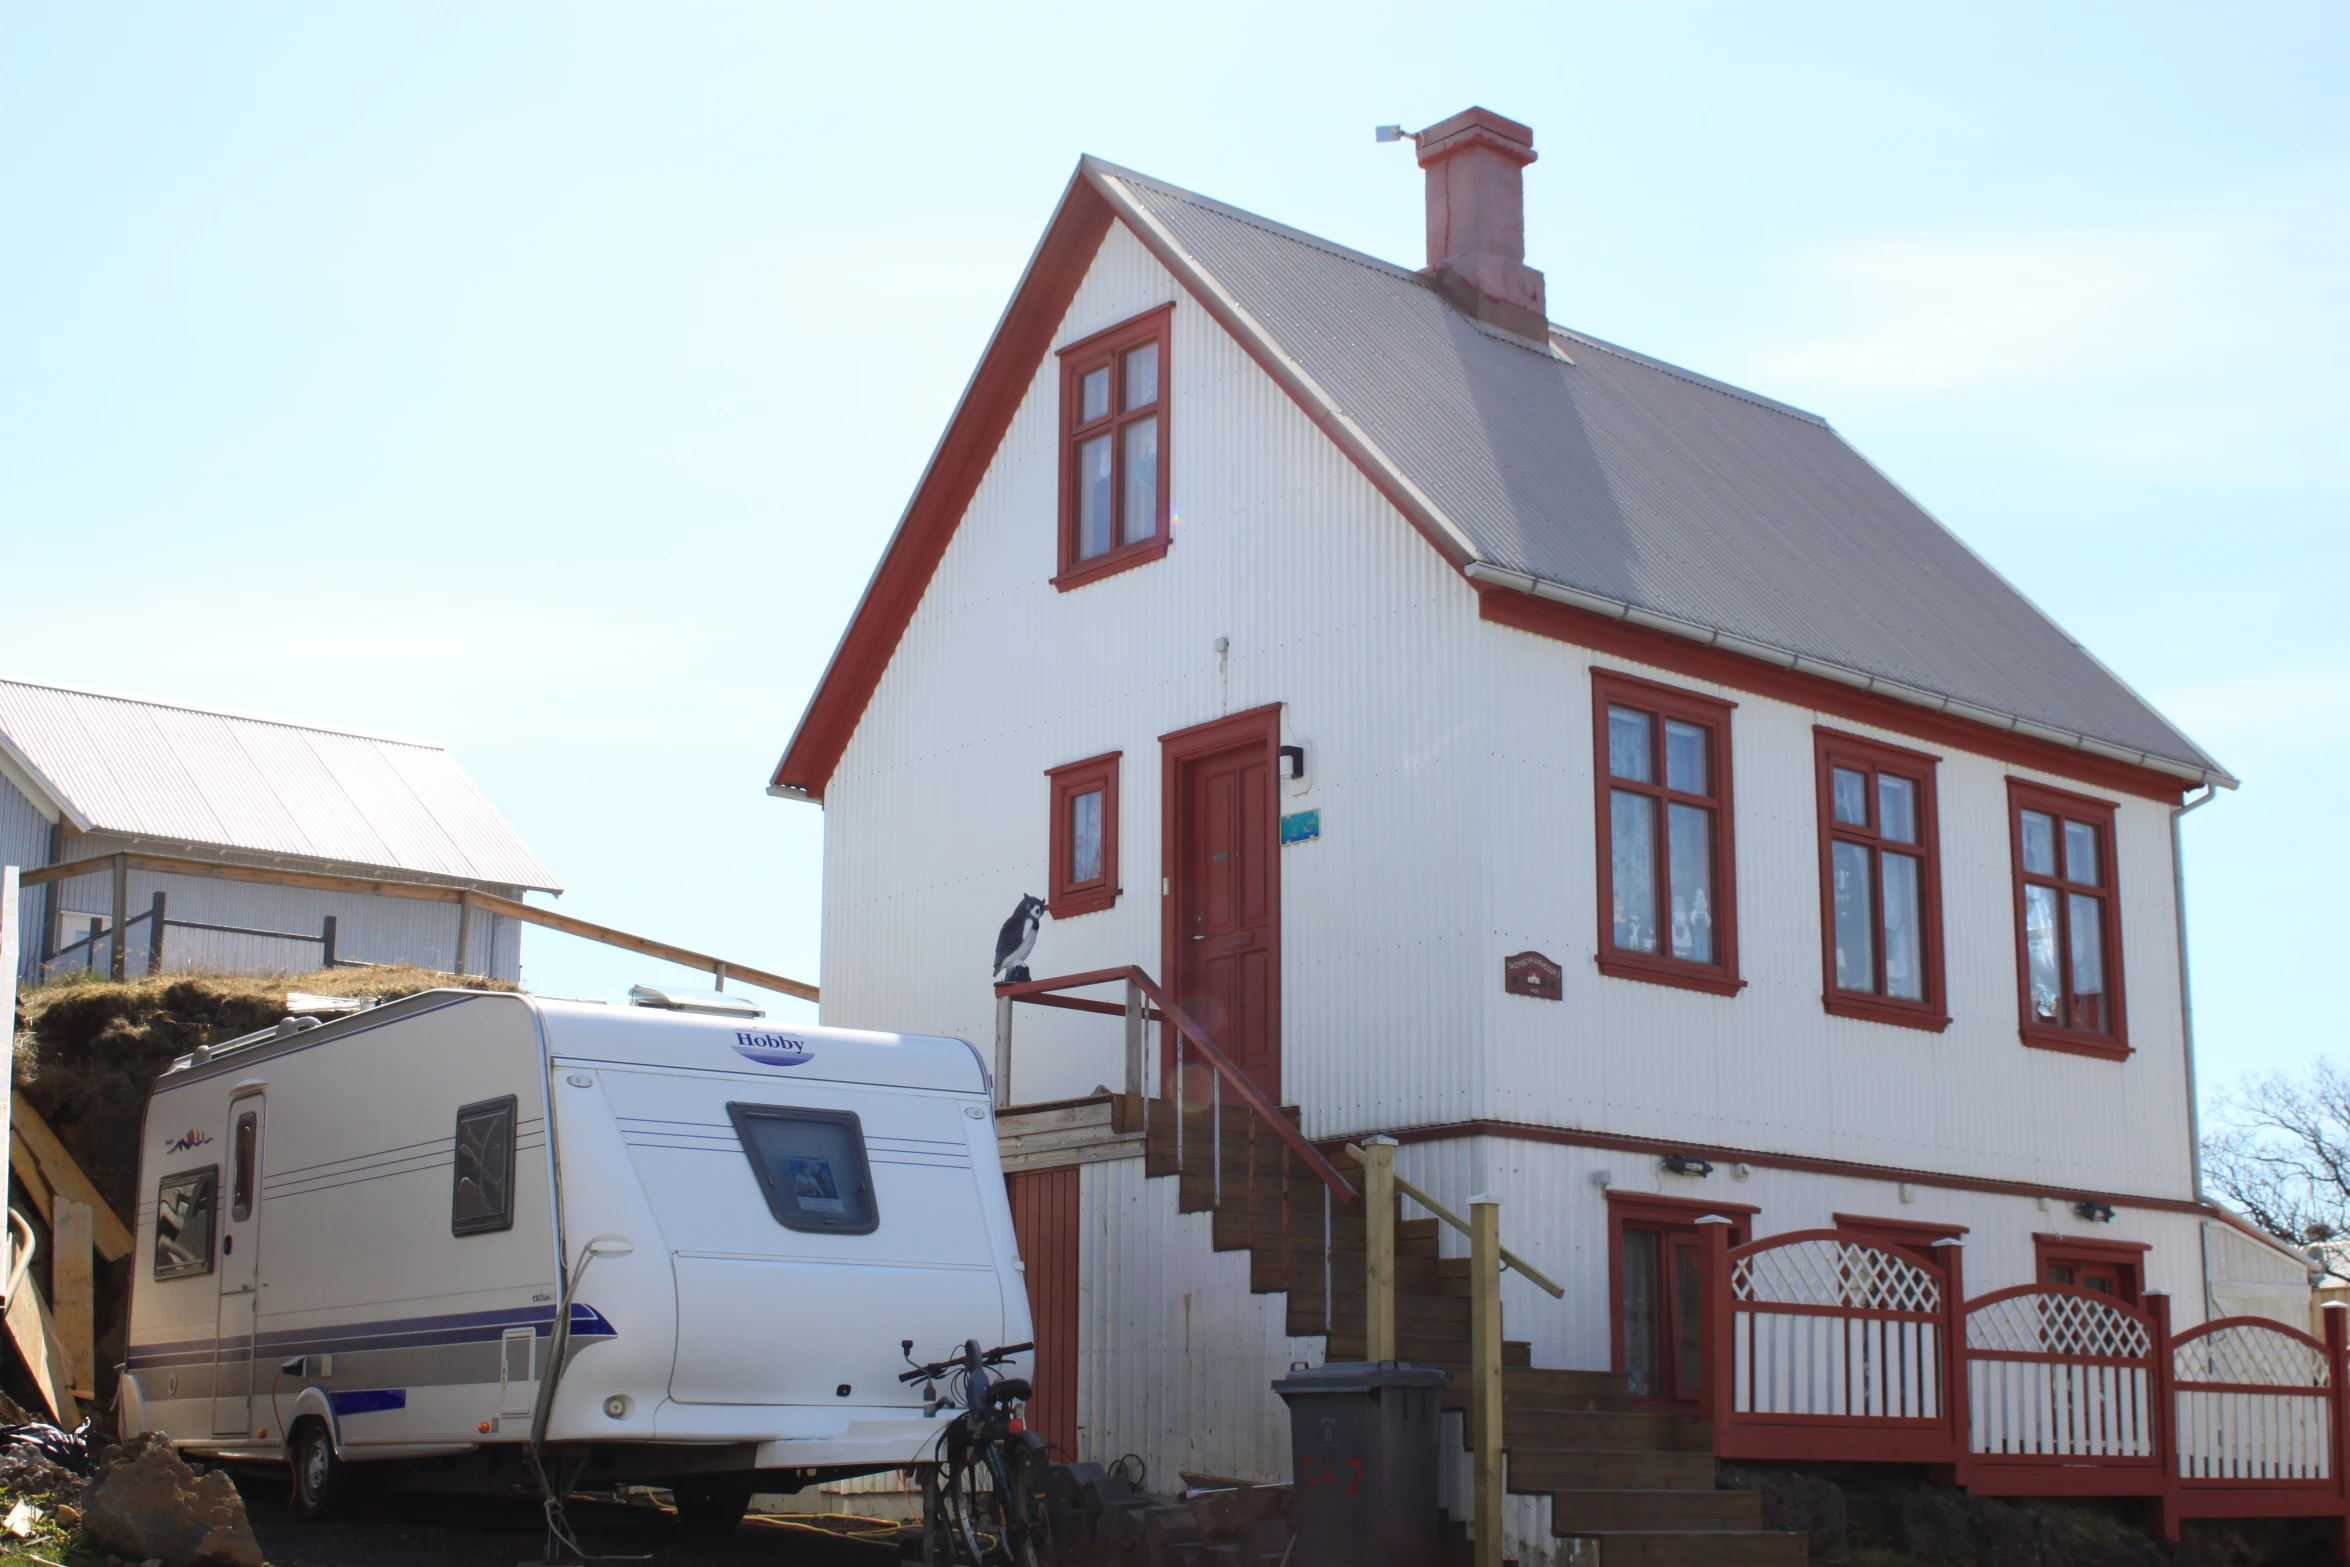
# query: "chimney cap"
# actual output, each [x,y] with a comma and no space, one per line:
[1476,128]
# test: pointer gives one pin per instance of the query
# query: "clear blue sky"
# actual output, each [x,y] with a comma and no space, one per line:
[545,379]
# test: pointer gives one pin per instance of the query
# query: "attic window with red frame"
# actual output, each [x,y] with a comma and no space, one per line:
[2067,921]
[1084,859]
[1667,884]
[1114,449]
[1880,883]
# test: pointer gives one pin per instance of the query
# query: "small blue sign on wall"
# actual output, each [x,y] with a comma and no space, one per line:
[1301,827]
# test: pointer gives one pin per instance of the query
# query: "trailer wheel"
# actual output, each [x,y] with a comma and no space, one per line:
[320,1484]
[710,1509]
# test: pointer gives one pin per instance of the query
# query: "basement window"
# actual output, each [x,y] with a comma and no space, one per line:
[185,1206]
[811,1167]
[1114,511]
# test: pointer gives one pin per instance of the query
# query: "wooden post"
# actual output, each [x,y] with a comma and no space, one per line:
[1955,1392]
[1134,1033]
[326,942]
[717,976]
[1003,1052]
[72,1226]
[1378,1248]
[2337,1331]
[117,960]
[2163,1406]
[1717,1328]
[155,935]
[464,929]
[1485,1371]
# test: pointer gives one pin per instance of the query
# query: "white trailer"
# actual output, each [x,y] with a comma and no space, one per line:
[650,1245]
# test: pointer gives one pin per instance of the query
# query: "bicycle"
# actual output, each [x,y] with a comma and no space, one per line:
[963,1523]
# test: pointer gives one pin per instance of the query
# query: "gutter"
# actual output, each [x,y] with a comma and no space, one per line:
[2178,882]
[1842,674]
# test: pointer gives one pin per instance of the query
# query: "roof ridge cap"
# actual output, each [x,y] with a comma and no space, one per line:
[1271,226]
[377,736]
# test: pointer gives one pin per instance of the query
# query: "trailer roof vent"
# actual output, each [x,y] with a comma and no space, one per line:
[717,1002]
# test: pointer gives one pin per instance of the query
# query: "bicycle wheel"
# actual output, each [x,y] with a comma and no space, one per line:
[1027,1520]
[968,1515]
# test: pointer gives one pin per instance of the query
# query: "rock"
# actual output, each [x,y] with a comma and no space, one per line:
[25,1472]
[148,1505]
[1795,1502]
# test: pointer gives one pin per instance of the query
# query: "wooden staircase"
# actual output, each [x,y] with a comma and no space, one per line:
[1638,1485]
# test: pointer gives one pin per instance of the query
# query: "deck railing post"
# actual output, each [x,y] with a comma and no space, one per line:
[1485,1391]
[1949,1258]
[2163,1410]
[1134,1031]
[1717,1327]
[155,935]
[118,960]
[326,942]
[464,930]
[1378,1249]
[1003,1052]
[2337,1331]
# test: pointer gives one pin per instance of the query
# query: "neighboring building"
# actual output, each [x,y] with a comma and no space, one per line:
[85,775]
[1560,760]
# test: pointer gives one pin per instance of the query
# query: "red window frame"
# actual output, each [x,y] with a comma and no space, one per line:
[2124,1261]
[1079,359]
[1832,749]
[1913,1236]
[2112,1043]
[1066,896]
[1661,702]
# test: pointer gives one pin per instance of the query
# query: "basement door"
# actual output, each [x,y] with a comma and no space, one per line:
[1222,908]
[1044,1217]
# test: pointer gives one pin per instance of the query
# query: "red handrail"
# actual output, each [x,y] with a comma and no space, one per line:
[1040,991]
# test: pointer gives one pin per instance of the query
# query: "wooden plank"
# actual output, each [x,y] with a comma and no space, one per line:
[36,1344]
[1054,1158]
[682,956]
[65,1178]
[28,1170]
[70,1232]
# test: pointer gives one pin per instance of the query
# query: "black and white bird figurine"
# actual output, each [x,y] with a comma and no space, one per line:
[1018,939]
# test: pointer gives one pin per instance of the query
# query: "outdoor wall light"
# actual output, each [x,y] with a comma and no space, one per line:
[1687,1164]
[1293,762]
[2095,1212]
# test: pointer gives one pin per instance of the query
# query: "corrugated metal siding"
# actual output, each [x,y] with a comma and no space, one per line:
[1652,486]
[1045,1217]
[935,821]
[1177,1358]
[24,843]
[179,775]
[373,930]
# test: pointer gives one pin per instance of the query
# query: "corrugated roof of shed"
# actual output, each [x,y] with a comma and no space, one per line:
[159,771]
[1618,476]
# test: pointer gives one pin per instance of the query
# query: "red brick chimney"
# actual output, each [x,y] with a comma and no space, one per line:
[1477,219]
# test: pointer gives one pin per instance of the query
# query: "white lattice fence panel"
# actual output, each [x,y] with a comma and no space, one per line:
[2250,1353]
[2048,1408]
[2254,1436]
[1865,1368]
[2052,1324]
[1823,1272]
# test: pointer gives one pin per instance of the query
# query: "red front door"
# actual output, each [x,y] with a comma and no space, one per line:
[1223,902]
[1663,1316]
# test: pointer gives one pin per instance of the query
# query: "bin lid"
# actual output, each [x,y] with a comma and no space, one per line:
[1359,1376]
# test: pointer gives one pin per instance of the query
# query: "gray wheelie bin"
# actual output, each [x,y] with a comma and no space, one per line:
[1362,1447]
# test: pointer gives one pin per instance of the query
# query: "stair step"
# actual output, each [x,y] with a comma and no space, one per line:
[1616,1511]
[1586,1430]
[1697,1547]
[1551,1469]
[1552,1380]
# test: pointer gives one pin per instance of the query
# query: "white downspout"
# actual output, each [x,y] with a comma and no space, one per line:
[2178,882]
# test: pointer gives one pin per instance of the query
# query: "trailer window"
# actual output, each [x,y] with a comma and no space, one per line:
[484,1195]
[184,1205]
[811,1165]
[240,1203]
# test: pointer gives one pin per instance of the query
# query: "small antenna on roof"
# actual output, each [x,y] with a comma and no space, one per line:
[1388,132]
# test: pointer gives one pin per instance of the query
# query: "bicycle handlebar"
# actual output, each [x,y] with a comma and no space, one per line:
[939,1368]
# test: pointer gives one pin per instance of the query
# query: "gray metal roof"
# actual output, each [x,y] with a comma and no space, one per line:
[182,775]
[1604,478]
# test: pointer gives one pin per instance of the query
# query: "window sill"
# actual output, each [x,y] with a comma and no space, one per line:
[1665,971]
[1876,1009]
[1124,558]
[2103,1046]
[1083,903]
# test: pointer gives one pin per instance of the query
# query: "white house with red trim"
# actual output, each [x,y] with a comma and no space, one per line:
[1595,776]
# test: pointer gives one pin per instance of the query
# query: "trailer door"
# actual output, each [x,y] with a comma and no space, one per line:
[240,1272]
